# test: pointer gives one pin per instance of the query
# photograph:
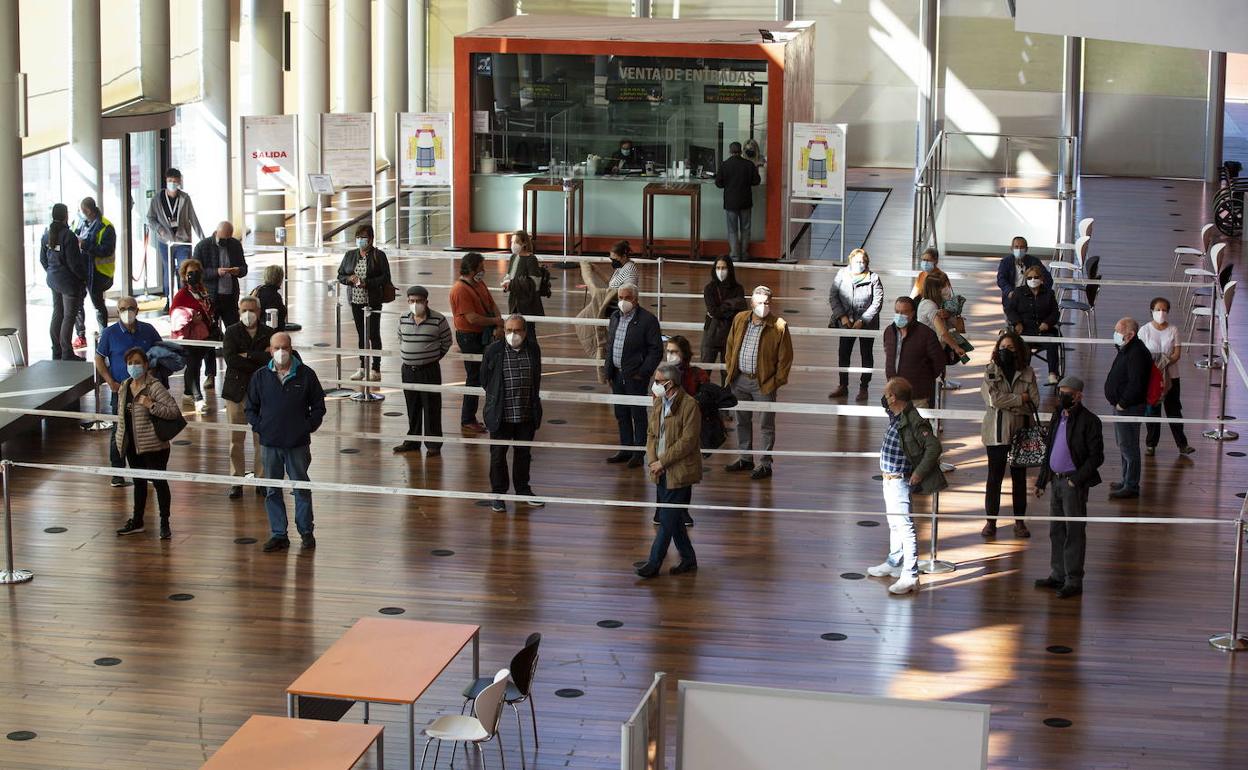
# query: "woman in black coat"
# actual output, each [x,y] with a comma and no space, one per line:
[724,298]
[66,270]
[366,271]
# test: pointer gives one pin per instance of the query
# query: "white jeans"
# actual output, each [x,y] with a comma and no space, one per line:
[902,543]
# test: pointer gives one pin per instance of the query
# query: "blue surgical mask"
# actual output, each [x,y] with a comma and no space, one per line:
[626,151]
[135,370]
[361,243]
[927,265]
[1018,253]
[901,320]
[1119,340]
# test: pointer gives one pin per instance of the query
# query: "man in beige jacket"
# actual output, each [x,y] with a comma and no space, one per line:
[758,358]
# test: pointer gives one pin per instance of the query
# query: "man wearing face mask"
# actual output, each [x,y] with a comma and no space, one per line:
[627,158]
[1126,387]
[477,324]
[1011,271]
[110,361]
[673,445]
[246,351]
[285,405]
[1074,451]
[634,349]
[171,219]
[511,373]
[424,339]
[221,254]
[913,351]
[759,357]
[929,264]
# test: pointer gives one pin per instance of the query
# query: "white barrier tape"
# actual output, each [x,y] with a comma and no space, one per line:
[330,486]
[1239,366]
[1116,282]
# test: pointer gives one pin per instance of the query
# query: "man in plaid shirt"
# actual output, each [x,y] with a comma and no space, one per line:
[511,373]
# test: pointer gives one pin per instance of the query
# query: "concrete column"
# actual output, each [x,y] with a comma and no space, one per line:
[417,47]
[12,255]
[214,194]
[264,91]
[154,49]
[786,10]
[485,12]
[354,73]
[83,159]
[643,9]
[925,113]
[1215,115]
[392,17]
[312,68]
[1072,125]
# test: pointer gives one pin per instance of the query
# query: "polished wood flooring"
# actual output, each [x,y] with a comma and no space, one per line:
[1140,686]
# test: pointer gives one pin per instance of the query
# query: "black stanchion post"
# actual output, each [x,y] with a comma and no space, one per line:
[10,574]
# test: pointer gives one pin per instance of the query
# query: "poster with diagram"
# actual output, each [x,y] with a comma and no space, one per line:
[347,148]
[817,152]
[425,149]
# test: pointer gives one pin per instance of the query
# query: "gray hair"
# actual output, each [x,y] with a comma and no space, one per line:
[515,317]
[628,287]
[1130,324]
[273,275]
[670,371]
[247,299]
[761,290]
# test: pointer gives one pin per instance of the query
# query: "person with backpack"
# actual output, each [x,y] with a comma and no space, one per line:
[66,270]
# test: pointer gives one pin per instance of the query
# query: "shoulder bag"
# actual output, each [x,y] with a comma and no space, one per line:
[1027,448]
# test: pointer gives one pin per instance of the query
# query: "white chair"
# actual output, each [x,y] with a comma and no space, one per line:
[1182,253]
[1222,308]
[481,727]
[1195,276]
[1085,231]
[1078,259]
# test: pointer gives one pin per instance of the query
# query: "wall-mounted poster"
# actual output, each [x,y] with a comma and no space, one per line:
[818,158]
[270,161]
[347,148]
[425,149]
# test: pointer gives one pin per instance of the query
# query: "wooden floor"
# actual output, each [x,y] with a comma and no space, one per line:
[1141,686]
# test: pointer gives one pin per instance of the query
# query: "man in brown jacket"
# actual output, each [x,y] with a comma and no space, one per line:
[674,448]
[913,351]
[758,358]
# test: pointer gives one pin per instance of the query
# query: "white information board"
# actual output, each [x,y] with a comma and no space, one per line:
[734,727]
[425,149]
[347,148]
[321,184]
[270,152]
[817,155]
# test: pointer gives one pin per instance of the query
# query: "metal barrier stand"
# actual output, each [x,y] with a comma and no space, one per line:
[337,391]
[10,575]
[1229,642]
[366,393]
[95,383]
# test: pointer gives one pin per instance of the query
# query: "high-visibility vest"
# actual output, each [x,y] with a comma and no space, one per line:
[104,265]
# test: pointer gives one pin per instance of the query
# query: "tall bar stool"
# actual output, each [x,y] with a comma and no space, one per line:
[1085,231]
[1217,312]
[1079,258]
[16,354]
[1183,254]
[1193,276]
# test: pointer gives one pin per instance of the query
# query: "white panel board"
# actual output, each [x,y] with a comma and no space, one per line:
[1205,25]
[269,152]
[347,148]
[732,727]
[983,224]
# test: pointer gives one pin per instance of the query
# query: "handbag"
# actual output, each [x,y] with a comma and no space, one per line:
[1027,447]
[389,293]
[168,429]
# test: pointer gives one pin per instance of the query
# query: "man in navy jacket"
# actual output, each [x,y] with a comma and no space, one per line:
[285,405]
[634,348]
[1126,388]
[1014,265]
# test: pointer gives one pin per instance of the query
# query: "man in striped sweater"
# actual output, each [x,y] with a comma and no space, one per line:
[424,339]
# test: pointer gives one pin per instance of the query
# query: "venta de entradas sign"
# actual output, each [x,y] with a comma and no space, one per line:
[718,77]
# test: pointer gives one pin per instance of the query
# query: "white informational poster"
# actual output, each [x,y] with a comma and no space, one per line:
[347,148]
[270,160]
[817,153]
[321,184]
[425,149]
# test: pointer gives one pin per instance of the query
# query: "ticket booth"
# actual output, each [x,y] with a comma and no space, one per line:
[543,105]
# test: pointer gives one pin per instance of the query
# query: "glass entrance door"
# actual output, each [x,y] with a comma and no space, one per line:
[132,174]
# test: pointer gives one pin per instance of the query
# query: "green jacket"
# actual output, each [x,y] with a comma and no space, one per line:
[922,448]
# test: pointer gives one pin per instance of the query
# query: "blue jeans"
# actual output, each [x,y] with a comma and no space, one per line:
[293,463]
[738,232]
[903,548]
[1127,434]
[672,523]
[180,255]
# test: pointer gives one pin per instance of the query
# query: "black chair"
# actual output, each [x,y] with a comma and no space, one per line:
[1087,306]
[519,689]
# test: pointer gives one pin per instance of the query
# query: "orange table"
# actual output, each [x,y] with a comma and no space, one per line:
[384,660]
[274,743]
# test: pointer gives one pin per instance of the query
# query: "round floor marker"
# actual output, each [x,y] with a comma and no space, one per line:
[807,288]
[349,451]
[482,503]
[21,735]
[1241,495]
[557,422]
[791,311]
[1175,214]
[1058,722]
[833,637]
[852,575]
[877,477]
[1059,649]
[442,552]
[245,541]
[569,692]
[392,610]
[392,414]
[107,661]
[868,523]
[425,272]
[872,174]
[1236,454]
[609,624]
[1177,230]
[182,442]
[1167,187]
[586,387]
[181,597]
[55,530]
[320,344]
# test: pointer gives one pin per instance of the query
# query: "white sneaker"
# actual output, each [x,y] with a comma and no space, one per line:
[374,376]
[904,586]
[359,375]
[201,406]
[1053,380]
[884,570]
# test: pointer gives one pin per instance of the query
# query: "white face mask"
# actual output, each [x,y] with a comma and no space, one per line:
[626,307]
[479,277]
[516,248]
[858,266]
[1018,253]
[1119,339]
[673,358]
[361,243]
[760,309]
[721,275]
[248,317]
[514,339]
[173,187]
[658,389]
[281,357]
[418,308]
[1034,283]
[1160,316]
[128,317]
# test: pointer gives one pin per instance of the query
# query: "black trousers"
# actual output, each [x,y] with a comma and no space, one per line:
[370,336]
[470,342]
[1173,404]
[866,346]
[99,285]
[424,409]
[998,461]
[151,461]
[1067,540]
[499,481]
[114,455]
[65,309]
[195,356]
[631,420]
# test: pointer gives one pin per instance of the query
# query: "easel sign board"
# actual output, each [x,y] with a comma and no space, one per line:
[270,159]
[735,727]
[347,148]
[321,184]
[817,153]
[425,149]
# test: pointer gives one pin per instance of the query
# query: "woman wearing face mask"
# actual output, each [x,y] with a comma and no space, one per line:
[367,271]
[1033,311]
[856,298]
[523,281]
[933,314]
[753,153]
[142,398]
[1162,340]
[1011,396]
[678,351]
[929,264]
[191,317]
[269,292]
[724,298]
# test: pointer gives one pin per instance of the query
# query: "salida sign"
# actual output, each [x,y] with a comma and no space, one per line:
[269,148]
[270,161]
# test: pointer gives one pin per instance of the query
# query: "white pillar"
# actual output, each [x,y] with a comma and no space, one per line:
[926,112]
[1215,115]
[212,113]
[354,74]
[312,68]
[417,47]
[392,17]
[1072,125]
[485,12]
[83,159]
[154,49]
[264,95]
[12,257]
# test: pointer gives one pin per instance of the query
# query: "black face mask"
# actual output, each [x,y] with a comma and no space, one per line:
[1005,360]
[750,153]
[884,403]
[616,264]
[193,277]
[1067,400]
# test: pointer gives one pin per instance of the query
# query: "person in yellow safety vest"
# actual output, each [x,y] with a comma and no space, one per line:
[98,240]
